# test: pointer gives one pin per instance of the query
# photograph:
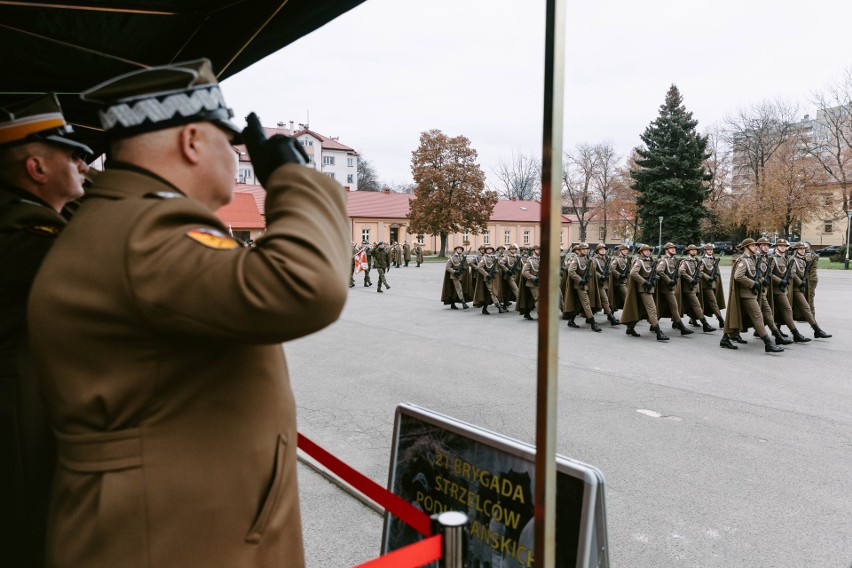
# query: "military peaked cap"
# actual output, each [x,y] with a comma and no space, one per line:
[691,247]
[745,243]
[600,246]
[782,243]
[161,97]
[623,247]
[708,246]
[762,241]
[644,247]
[669,245]
[37,120]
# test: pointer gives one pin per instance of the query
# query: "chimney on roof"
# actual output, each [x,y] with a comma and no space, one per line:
[386,190]
[807,116]
[280,124]
[291,125]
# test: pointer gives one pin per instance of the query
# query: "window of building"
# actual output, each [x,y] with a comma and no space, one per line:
[350,162]
[421,238]
[507,236]
[828,226]
[365,235]
[330,174]
[486,237]
[350,178]
[601,234]
[526,237]
[827,199]
[307,142]
[310,158]
[561,237]
[328,160]
[465,236]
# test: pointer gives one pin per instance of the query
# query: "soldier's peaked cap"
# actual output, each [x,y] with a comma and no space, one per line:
[708,245]
[161,97]
[600,246]
[800,245]
[457,247]
[37,120]
[745,243]
[644,247]
[489,247]
[535,247]
[669,245]
[762,241]
[583,246]
[782,242]
[691,247]
[623,246]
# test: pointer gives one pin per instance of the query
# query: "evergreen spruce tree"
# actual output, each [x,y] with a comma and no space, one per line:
[671,177]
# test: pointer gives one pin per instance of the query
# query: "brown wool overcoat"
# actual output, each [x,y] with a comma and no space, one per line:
[160,347]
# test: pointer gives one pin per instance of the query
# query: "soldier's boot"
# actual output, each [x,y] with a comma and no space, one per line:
[613,320]
[366,283]
[739,339]
[594,324]
[660,335]
[798,337]
[453,306]
[631,331]
[386,286]
[819,333]
[726,343]
[527,316]
[693,323]
[706,327]
[501,308]
[351,283]
[755,334]
[721,321]
[379,289]
[464,305]
[770,347]
[571,322]
[780,339]
[784,335]
[485,310]
[683,330]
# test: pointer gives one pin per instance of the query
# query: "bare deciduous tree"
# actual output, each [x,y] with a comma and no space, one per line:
[367,179]
[720,200]
[605,187]
[754,134]
[578,174]
[520,176]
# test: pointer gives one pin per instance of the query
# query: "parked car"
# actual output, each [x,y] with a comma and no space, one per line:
[830,250]
[724,247]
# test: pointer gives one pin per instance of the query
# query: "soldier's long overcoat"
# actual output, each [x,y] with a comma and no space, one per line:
[165,375]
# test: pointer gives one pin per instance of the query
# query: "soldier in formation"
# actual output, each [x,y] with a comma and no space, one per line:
[801,306]
[488,283]
[619,272]
[603,269]
[582,291]
[668,275]
[639,303]
[691,296]
[381,261]
[418,253]
[456,280]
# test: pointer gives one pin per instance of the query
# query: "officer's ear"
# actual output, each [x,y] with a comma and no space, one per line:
[36,168]
[191,142]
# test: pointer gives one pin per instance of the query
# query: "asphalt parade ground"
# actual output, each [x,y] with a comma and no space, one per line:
[712,458]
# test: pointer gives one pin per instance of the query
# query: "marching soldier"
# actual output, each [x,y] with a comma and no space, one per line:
[488,283]
[406,253]
[602,268]
[619,272]
[418,253]
[779,268]
[582,293]
[369,253]
[799,274]
[668,273]
[639,301]
[711,285]
[456,277]
[530,274]
[743,308]
[381,262]
[690,288]
[812,277]
[766,294]
[512,266]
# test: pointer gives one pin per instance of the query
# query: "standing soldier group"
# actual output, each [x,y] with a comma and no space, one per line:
[765,291]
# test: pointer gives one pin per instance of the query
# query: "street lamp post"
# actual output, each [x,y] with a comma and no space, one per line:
[660,242]
[848,223]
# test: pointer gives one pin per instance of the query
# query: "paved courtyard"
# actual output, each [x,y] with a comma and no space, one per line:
[712,458]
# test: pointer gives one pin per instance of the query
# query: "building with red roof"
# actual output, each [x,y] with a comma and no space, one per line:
[242,217]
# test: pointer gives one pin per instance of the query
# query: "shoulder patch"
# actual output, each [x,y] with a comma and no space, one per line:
[212,238]
[44,230]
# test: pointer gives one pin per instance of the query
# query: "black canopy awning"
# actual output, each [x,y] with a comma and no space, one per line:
[67,47]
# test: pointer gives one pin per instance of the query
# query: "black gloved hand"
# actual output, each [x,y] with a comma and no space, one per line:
[756,288]
[268,155]
[672,285]
[489,278]
[535,281]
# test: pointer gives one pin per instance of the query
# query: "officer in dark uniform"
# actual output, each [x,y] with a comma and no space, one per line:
[41,171]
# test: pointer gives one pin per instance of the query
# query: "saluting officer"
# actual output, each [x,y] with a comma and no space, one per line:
[669,276]
[690,288]
[639,302]
[381,261]
[159,336]
[41,171]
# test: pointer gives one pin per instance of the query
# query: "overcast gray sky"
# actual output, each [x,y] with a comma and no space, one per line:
[384,72]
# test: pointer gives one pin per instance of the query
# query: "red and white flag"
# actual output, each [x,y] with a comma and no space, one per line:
[361,261]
